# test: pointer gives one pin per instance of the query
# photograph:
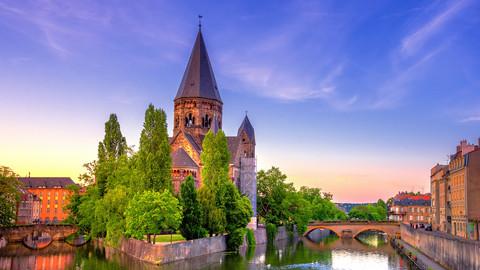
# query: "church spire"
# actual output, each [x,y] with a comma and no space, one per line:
[198,80]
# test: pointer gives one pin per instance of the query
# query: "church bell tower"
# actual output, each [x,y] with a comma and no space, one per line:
[197,103]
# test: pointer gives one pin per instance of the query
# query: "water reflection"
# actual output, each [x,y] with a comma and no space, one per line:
[329,253]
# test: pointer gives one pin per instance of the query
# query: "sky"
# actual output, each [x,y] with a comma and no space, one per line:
[358,98]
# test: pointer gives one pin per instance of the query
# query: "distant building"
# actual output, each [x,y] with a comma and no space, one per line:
[347,207]
[53,196]
[411,208]
[28,208]
[456,189]
[440,200]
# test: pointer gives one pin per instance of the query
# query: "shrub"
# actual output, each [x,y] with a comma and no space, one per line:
[271,231]
[250,238]
[235,239]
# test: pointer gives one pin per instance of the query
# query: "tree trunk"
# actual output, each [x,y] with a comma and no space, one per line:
[171,235]
[154,238]
[148,238]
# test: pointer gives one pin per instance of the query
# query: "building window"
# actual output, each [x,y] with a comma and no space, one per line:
[189,120]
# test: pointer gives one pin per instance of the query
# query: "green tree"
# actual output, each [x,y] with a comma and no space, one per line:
[74,201]
[238,209]
[152,212]
[373,212]
[213,217]
[215,158]
[272,189]
[322,208]
[9,195]
[110,214]
[191,227]
[86,213]
[110,149]
[154,161]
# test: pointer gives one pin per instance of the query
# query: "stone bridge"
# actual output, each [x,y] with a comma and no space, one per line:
[18,233]
[351,229]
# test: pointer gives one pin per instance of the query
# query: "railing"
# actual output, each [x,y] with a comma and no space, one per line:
[385,222]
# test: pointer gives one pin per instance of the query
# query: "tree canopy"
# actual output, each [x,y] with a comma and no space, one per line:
[153,160]
[191,227]
[152,212]
[9,195]
[373,212]
[279,203]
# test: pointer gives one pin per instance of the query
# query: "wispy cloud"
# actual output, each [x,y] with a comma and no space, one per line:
[396,87]
[473,118]
[417,39]
[66,27]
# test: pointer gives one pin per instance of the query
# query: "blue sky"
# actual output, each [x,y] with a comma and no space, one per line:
[358,98]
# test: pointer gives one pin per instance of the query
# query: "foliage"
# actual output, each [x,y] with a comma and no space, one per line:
[152,212]
[154,162]
[251,242]
[271,231]
[272,189]
[110,149]
[224,208]
[297,211]
[238,209]
[373,212]
[191,227]
[88,178]
[279,203]
[213,218]
[215,158]
[72,207]
[235,239]
[9,195]
[110,214]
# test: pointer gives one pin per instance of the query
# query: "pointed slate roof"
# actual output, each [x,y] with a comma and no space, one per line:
[198,79]
[180,158]
[248,128]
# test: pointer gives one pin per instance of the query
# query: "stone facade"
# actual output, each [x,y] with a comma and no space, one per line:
[28,208]
[455,189]
[199,109]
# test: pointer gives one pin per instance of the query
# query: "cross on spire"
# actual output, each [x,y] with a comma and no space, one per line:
[200,22]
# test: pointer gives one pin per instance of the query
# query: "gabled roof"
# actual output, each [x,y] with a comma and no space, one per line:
[46,182]
[248,128]
[198,79]
[190,139]
[180,158]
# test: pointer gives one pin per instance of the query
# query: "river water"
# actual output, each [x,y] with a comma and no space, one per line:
[370,252]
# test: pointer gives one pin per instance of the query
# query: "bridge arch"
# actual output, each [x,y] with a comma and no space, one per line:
[373,229]
[309,230]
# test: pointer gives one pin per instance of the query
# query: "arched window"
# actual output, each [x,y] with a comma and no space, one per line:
[206,121]
[189,120]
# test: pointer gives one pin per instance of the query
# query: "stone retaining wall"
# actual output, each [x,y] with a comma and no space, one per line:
[449,251]
[165,253]
[283,234]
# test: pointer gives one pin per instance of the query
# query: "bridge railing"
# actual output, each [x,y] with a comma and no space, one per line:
[386,222]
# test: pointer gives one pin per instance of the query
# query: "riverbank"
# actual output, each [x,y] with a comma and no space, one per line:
[416,257]
[449,251]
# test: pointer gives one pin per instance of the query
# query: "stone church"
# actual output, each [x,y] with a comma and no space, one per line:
[198,109]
